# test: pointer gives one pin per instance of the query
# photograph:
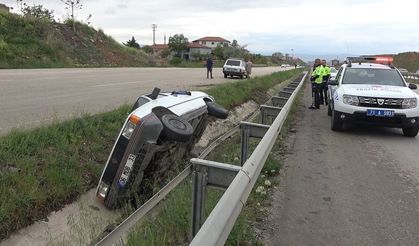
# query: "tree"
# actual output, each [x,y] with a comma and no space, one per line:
[38,11]
[178,43]
[147,49]
[219,52]
[132,43]
[73,4]
[234,44]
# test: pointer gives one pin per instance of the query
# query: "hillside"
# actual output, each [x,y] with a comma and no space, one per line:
[408,60]
[34,43]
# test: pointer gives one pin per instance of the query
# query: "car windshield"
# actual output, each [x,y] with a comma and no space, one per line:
[333,70]
[372,76]
[233,63]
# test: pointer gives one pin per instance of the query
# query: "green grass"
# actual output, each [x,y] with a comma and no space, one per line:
[173,223]
[43,169]
[35,43]
[230,95]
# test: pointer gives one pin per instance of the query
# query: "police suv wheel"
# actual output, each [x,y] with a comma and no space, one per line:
[410,132]
[225,75]
[337,124]
[176,128]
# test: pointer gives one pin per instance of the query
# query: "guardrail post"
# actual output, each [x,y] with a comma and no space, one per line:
[198,197]
[279,101]
[244,144]
[286,94]
[269,111]
[250,130]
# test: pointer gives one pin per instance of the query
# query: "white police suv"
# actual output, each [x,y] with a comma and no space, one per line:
[370,90]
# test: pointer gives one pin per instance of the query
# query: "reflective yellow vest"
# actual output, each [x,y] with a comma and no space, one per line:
[319,70]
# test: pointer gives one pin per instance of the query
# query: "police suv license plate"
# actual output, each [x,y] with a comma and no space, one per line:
[127,170]
[380,113]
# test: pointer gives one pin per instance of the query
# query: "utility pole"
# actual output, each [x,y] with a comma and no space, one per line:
[154,26]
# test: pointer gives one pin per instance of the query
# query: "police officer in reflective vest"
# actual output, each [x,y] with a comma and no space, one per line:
[326,76]
[317,81]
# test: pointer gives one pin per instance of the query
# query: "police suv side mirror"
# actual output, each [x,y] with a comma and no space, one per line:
[333,82]
[413,86]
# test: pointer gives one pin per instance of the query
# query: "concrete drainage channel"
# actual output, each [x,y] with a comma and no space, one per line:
[235,180]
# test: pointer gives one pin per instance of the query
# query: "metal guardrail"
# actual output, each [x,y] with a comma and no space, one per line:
[219,223]
[411,75]
[211,174]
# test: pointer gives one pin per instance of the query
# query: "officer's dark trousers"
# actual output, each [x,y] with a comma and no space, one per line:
[316,88]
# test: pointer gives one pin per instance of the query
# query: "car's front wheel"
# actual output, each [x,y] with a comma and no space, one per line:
[337,124]
[176,128]
[410,131]
[225,75]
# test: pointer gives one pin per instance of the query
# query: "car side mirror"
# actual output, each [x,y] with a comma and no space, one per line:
[413,86]
[333,82]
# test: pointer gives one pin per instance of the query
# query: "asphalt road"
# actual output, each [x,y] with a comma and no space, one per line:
[357,187]
[32,97]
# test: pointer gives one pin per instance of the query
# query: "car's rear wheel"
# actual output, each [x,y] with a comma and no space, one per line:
[410,132]
[176,128]
[337,124]
[217,110]
[231,76]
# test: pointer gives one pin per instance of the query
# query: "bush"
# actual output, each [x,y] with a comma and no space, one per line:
[176,61]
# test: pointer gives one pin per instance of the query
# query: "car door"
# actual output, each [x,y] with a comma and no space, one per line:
[332,88]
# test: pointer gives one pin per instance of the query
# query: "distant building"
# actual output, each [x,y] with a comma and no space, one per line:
[158,48]
[211,42]
[3,7]
[196,49]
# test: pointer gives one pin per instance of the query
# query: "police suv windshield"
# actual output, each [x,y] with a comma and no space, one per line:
[372,76]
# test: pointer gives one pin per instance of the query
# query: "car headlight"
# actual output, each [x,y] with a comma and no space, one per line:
[130,126]
[103,189]
[409,103]
[351,100]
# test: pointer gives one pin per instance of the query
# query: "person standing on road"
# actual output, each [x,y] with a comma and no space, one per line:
[209,67]
[248,68]
[316,82]
[326,76]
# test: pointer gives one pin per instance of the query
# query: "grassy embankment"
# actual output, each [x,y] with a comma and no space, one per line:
[172,225]
[43,169]
[27,42]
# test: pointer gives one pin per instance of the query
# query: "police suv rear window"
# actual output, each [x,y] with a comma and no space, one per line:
[233,63]
[371,76]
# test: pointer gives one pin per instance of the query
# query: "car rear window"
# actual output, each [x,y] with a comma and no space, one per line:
[233,63]
[372,76]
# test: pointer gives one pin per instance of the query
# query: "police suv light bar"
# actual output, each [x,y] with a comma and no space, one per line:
[379,59]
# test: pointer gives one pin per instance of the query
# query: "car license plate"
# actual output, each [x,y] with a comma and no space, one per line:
[127,170]
[380,113]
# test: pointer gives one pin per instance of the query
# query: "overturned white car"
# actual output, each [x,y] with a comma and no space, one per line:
[162,128]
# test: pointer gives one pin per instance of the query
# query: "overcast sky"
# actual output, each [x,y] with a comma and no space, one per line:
[306,27]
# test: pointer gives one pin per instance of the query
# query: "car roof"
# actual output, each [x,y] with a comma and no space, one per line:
[368,65]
